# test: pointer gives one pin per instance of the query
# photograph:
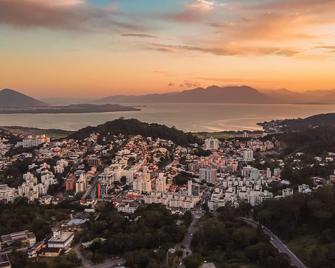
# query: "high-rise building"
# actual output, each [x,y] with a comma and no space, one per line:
[161,183]
[211,144]
[208,174]
[248,155]
[189,188]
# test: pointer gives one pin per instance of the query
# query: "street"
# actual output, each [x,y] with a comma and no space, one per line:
[185,245]
[277,243]
[108,263]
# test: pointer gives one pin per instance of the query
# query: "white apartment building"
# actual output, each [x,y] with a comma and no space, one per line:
[33,141]
[81,184]
[7,194]
[248,155]
[211,144]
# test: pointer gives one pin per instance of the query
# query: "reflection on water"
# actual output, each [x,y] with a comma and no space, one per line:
[189,117]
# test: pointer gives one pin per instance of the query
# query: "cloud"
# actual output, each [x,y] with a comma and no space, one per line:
[195,11]
[57,3]
[140,35]
[227,50]
[203,5]
[75,15]
[288,20]
[188,84]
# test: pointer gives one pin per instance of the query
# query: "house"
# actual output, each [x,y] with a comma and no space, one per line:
[4,261]
[61,240]
[25,238]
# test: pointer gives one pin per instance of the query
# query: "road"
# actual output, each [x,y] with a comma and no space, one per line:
[109,263]
[185,245]
[277,243]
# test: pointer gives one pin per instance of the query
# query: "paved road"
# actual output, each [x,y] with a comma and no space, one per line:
[109,263]
[278,244]
[185,245]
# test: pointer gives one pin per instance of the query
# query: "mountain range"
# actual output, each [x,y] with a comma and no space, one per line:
[212,94]
[11,99]
[229,94]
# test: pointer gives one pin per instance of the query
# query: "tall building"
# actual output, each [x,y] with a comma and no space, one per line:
[208,174]
[70,183]
[189,188]
[142,184]
[81,184]
[248,155]
[211,144]
[161,183]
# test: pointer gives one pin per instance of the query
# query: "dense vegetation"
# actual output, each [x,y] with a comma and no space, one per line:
[314,140]
[228,242]
[323,120]
[307,222]
[136,127]
[22,216]
[150,228]
[20,260]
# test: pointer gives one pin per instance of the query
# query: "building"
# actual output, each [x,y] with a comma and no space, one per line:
[287,192]
[81,184]
[70,183]
[248,155]
[33,141]
[142,184]
[189,188]
[4,261]
[211,144]
[7,194]
[208,174]
[25,238]
[61,240]
[161,183]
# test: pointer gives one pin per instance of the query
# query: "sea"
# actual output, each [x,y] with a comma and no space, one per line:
[194,117]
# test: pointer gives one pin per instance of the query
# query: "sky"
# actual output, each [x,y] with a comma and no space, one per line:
[95,48]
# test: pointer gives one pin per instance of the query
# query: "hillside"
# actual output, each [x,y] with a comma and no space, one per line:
[13,99]
[311,134]
[213,94]
[136,127]
[299,124]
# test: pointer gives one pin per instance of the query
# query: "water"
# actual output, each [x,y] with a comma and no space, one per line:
[188,117]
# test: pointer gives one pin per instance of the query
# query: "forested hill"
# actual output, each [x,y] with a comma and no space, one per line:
[314,134]
[299,124]
[316,140]
[136,127]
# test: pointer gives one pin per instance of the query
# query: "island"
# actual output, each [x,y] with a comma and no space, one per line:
[73,108]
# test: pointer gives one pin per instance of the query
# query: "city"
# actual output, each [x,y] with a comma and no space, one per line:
[167,134]
[128,173]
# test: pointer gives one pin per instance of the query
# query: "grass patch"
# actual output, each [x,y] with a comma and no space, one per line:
[304,246]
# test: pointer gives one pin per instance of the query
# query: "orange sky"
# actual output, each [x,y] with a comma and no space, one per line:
[105,47]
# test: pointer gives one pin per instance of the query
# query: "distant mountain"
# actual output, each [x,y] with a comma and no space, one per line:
[212,94]
[136,127]
[10,99]
[319,120]
[286,96]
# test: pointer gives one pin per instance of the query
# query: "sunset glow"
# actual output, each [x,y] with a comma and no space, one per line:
[106,47]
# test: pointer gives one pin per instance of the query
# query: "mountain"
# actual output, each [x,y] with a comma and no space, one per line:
[286,96]
[212,94]
[10,99]
[136,127]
